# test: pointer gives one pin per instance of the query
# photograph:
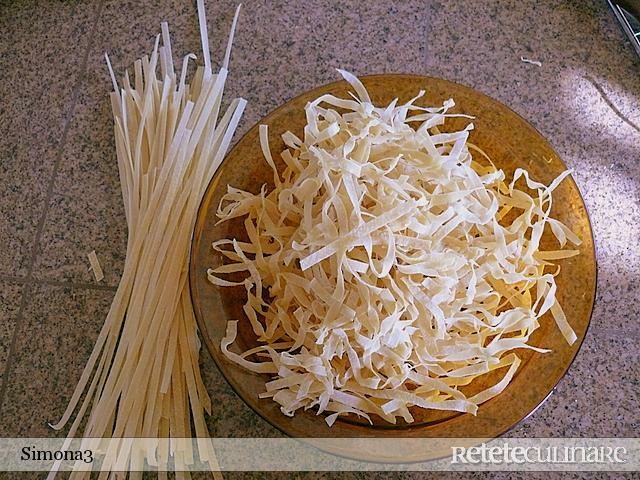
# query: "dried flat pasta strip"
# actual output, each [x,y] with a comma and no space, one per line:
[143,379]
[95,266]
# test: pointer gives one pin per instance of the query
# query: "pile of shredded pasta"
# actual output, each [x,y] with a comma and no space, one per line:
[143,377]
[388,268]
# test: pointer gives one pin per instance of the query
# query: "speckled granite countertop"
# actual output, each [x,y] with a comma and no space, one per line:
[60,194]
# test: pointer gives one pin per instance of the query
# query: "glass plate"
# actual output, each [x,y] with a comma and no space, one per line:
[510,142]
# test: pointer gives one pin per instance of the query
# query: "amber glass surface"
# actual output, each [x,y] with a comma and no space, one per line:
[511,142]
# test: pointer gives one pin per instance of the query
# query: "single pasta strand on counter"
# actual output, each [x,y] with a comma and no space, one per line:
[388,268]
[96,268]
[143,378]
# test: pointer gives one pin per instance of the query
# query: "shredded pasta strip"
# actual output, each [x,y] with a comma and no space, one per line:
[388,268]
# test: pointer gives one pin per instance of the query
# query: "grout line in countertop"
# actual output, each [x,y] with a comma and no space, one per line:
[601,331]
[12,279]
[611,105]
[28,280]
[57,283]
[85,285]
[427,60]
